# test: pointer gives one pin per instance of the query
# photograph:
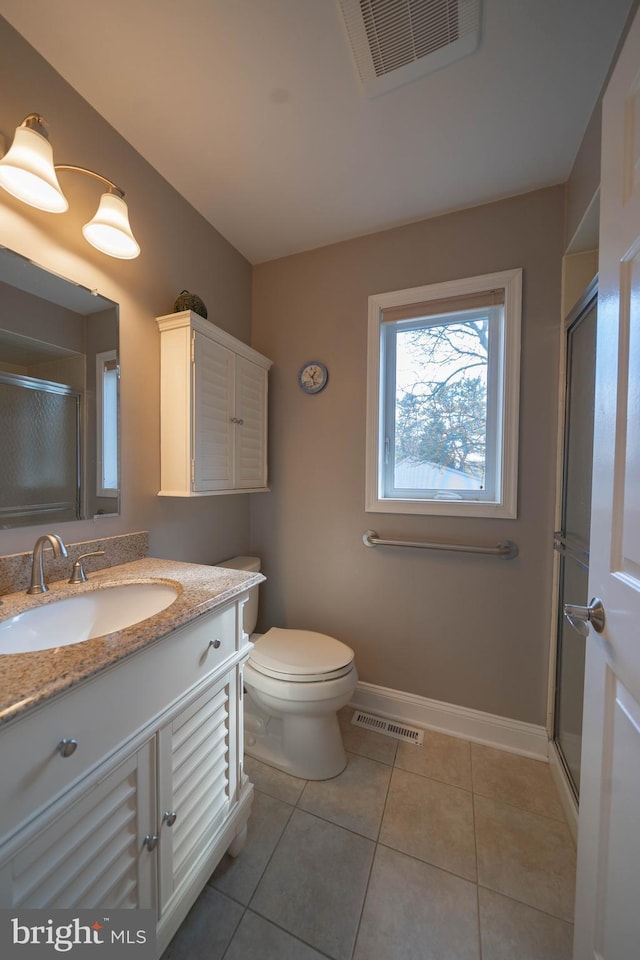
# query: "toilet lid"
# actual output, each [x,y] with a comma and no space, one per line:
[300,655]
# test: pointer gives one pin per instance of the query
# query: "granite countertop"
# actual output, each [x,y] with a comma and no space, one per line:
[29,679]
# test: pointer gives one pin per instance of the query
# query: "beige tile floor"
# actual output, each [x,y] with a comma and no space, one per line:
[449,851]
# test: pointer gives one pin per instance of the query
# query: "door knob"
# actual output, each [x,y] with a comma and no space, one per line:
[581,617]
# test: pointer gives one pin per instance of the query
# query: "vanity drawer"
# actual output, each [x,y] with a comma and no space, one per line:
[104,712]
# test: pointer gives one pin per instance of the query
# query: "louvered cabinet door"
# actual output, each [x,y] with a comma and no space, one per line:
[251,427]
[93,854]
[212,411]
[197,782]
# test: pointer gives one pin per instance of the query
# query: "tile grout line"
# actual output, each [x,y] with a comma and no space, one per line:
[294,936]
[373,858]
[377,843]
[247,907]
[237,927]
[475,847]
[256,913]
[272,854]
[484,796]
[517,806]
[523,903]
[229,896]
[484,886]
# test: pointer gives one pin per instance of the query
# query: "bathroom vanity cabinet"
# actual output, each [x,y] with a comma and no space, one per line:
[127,790]
[213,410]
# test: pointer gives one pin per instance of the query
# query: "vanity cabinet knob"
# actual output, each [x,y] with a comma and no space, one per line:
[215,643]
[169,817]
[67,747]
[151,841]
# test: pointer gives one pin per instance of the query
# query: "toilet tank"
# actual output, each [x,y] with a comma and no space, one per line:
[250,612]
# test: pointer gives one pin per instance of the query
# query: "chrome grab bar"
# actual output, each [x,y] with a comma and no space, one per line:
[505,549]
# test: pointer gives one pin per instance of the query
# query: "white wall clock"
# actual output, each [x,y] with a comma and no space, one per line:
[313,376]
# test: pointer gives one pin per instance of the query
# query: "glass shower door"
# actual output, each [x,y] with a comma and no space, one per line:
[40,442]
[572,540]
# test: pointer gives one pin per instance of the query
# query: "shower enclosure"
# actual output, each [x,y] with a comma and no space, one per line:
[571,541]
[40,425]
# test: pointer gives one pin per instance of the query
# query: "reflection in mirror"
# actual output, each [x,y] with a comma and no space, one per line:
[59,379]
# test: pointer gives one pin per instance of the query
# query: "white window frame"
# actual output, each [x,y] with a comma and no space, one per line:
[107,446]
[504,377]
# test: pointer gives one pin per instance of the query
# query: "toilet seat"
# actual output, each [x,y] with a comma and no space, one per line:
[300,656]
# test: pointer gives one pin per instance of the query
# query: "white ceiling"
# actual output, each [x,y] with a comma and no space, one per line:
[252,109]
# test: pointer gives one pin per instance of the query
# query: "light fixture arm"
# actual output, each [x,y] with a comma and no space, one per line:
[90,173]
[35,122]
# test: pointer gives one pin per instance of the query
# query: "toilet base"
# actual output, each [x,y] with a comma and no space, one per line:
[307,747]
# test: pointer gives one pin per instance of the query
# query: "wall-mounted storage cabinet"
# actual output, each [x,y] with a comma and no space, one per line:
[213,410]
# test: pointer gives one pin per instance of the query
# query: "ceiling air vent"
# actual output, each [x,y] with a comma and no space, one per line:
[397,41]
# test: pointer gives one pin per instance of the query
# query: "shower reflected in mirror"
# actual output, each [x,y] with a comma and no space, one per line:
[59,398]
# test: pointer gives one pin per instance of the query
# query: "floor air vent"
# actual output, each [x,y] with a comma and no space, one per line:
[397,41]
[390,728]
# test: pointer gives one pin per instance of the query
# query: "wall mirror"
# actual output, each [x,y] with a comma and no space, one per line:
[59,397]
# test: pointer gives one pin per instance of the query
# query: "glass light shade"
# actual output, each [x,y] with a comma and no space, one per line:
[109,230]
[26,172]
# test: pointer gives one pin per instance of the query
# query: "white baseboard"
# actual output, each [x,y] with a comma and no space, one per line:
[527,739]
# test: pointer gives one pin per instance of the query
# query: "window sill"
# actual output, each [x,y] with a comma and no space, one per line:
[444,508]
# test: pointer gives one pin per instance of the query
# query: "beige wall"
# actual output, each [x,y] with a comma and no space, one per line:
[473,631]
[179,249]
[583,184]
[31,316]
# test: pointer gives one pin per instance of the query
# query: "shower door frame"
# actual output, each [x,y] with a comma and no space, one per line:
[556,760]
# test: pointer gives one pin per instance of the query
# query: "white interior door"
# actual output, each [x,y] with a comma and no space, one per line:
[607,898]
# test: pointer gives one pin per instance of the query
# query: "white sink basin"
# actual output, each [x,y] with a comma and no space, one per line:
[87,615]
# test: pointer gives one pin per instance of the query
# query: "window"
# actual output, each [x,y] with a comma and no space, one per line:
[107,373]
[443,391]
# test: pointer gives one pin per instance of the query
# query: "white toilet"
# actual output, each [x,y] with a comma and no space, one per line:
[296,681]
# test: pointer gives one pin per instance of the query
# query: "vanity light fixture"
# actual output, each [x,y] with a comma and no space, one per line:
[27,172]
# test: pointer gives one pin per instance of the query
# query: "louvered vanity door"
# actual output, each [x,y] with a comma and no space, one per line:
[197,782]
[251,426]
[213,434]
[93,853]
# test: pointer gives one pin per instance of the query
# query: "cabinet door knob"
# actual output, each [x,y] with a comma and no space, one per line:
[151,841]
[215,643]
[67,747]
[169,817]
[237,420]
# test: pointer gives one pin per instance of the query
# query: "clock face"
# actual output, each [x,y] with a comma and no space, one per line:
[313,376]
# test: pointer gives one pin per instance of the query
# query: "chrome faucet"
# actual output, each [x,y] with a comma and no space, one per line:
[37,567]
